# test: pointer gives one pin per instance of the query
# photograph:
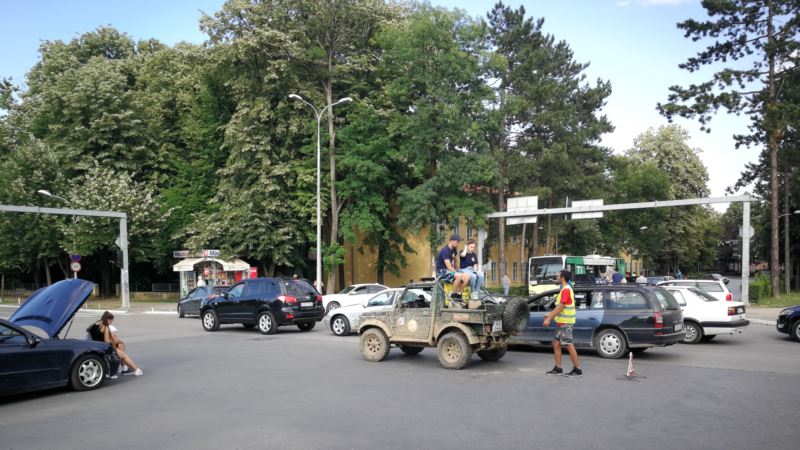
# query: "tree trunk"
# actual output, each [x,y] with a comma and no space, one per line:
[62,267]
[105,275]
[379,266]
[535,240]
[773,166]
[522,259]
[787,266]
[37,276]
[330,288]
[549,228]
[47,274]
[501,228]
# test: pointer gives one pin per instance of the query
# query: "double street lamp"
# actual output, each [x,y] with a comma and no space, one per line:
[318,113]
[48,194]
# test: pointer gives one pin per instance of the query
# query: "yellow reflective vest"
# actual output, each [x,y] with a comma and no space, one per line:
[567,315]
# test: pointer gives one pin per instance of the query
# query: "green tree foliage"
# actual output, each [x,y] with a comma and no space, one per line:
[752,42]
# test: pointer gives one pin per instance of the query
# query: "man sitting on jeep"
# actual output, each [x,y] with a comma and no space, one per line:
[446,268]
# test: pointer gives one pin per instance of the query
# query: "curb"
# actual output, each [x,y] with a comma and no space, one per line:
[763,322]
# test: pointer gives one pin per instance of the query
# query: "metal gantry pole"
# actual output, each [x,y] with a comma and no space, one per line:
[123,276]
[746,251]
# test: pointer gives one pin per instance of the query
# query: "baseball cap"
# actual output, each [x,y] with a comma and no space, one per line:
[455,237]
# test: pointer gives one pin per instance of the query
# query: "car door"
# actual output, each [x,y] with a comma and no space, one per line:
[412,317]
[195,297]
[227,306]
[539,307]
[589,313]
[24,366]
[630,311]
[249,302]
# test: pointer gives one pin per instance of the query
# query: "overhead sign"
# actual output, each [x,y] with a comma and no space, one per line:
[75,266]
[750,232]
[589,215]
[75,258]
[518,203]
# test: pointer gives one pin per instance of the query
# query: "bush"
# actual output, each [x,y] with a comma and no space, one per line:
[760,288]
[516,291]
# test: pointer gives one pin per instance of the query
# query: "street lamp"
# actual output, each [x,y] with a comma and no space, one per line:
[789,214]
[318,114]
[644,228]
[48,194]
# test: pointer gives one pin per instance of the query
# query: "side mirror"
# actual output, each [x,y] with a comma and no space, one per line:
[224,295]
[364,304]
[33,341]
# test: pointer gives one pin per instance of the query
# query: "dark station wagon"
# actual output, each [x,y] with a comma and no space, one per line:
[610,318]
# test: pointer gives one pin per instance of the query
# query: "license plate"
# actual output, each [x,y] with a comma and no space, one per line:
[497,326]
[306,304]
[740,310]
[678,326]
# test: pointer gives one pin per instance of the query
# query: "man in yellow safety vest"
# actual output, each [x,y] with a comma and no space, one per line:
[564,315]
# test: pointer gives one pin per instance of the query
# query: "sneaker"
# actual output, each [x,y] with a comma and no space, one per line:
[131,372]
[124,368]
[576,372]
[555,371]
[139,373]
[113,377]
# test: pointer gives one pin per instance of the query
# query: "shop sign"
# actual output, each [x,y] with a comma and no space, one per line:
[254,272]
[188,254]
[210,253]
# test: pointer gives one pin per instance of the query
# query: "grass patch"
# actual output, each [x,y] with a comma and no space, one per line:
[790,299]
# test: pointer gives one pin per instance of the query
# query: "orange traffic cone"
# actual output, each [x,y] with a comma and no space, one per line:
[631,373]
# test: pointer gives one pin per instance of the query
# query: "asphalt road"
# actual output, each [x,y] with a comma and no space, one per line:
[237,389]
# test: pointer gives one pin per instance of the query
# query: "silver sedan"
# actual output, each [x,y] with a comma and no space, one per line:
[343,321]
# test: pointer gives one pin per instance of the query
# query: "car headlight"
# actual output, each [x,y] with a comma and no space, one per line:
[785,312]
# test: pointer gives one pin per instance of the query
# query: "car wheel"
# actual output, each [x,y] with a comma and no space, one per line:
[515,316]
[249,325]
[794,331]
[411,350]
[87,373]
[610,344]
[266,323]
[181,314]
[374,345]
[454,350]
[492,355]
[331,306]
[306,326]
[340,326]
[692,332]
[210,320]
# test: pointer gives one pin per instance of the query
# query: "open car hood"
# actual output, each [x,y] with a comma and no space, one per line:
[51,307]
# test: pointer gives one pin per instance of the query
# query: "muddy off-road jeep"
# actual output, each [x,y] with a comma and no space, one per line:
[424,317]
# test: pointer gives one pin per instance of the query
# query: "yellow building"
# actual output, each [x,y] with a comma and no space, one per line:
[360,268]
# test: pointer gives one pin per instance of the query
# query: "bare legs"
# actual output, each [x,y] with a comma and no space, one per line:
[573,354]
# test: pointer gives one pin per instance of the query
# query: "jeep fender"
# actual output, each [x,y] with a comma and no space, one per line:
[471,337]
[372,323]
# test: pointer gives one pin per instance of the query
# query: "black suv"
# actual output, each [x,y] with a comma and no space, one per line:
[267,303]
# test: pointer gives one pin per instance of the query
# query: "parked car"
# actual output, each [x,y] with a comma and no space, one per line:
[714,287]
[343,321]
[718,276]
[789,322]
[610,318]
[351,295]
[705,317]
[30,362]
[190,305]
[266,303]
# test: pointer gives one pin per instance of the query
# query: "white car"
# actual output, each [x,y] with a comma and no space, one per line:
[714,287]
[351,295]
[342,321]
[705,316]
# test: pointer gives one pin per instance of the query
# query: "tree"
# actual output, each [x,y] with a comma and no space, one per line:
[757,39]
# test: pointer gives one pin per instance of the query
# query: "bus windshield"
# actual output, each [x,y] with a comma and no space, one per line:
[545,268]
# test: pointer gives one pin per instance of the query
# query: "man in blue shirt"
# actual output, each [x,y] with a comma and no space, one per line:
[446,267]
[616,278]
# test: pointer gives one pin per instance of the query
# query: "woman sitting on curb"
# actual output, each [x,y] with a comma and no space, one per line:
[104,331]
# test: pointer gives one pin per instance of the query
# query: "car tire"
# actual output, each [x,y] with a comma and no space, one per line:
[266,323]
[692,332]
[794,330]
[454,350]
[331,306]
[249,326]
[210,320]
[87,373]
[610,344]
[494,354]
[411,350]
[306,326]
[181,314]
[515,316]
[374,345]
[340,326]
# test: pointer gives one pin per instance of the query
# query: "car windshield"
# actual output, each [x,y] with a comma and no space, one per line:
[346,290]
[703,295]
[665,299]
[712,286]
[545,271]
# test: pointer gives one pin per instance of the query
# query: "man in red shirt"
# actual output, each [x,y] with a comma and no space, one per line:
[564,315]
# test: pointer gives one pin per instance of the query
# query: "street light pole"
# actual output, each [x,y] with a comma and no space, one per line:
[318,114]
[787,267]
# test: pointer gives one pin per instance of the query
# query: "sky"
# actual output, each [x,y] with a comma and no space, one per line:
[634,44]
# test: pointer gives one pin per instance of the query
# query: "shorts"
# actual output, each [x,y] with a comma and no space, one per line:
[564,334]
[447,276]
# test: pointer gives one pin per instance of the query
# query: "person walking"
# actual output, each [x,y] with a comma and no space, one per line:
[564,315]
[446,267]
[617,277]
[506,283]
[469,265]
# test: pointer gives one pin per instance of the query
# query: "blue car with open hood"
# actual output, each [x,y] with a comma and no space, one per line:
[30,361]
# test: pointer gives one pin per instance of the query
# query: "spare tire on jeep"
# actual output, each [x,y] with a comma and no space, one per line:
[515,316]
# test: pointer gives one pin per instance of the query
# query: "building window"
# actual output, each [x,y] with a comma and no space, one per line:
[455,227]
[514,271]
[493,270]
[469,229]
[513,239]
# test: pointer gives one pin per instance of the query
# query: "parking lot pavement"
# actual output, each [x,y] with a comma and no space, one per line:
[239,389]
